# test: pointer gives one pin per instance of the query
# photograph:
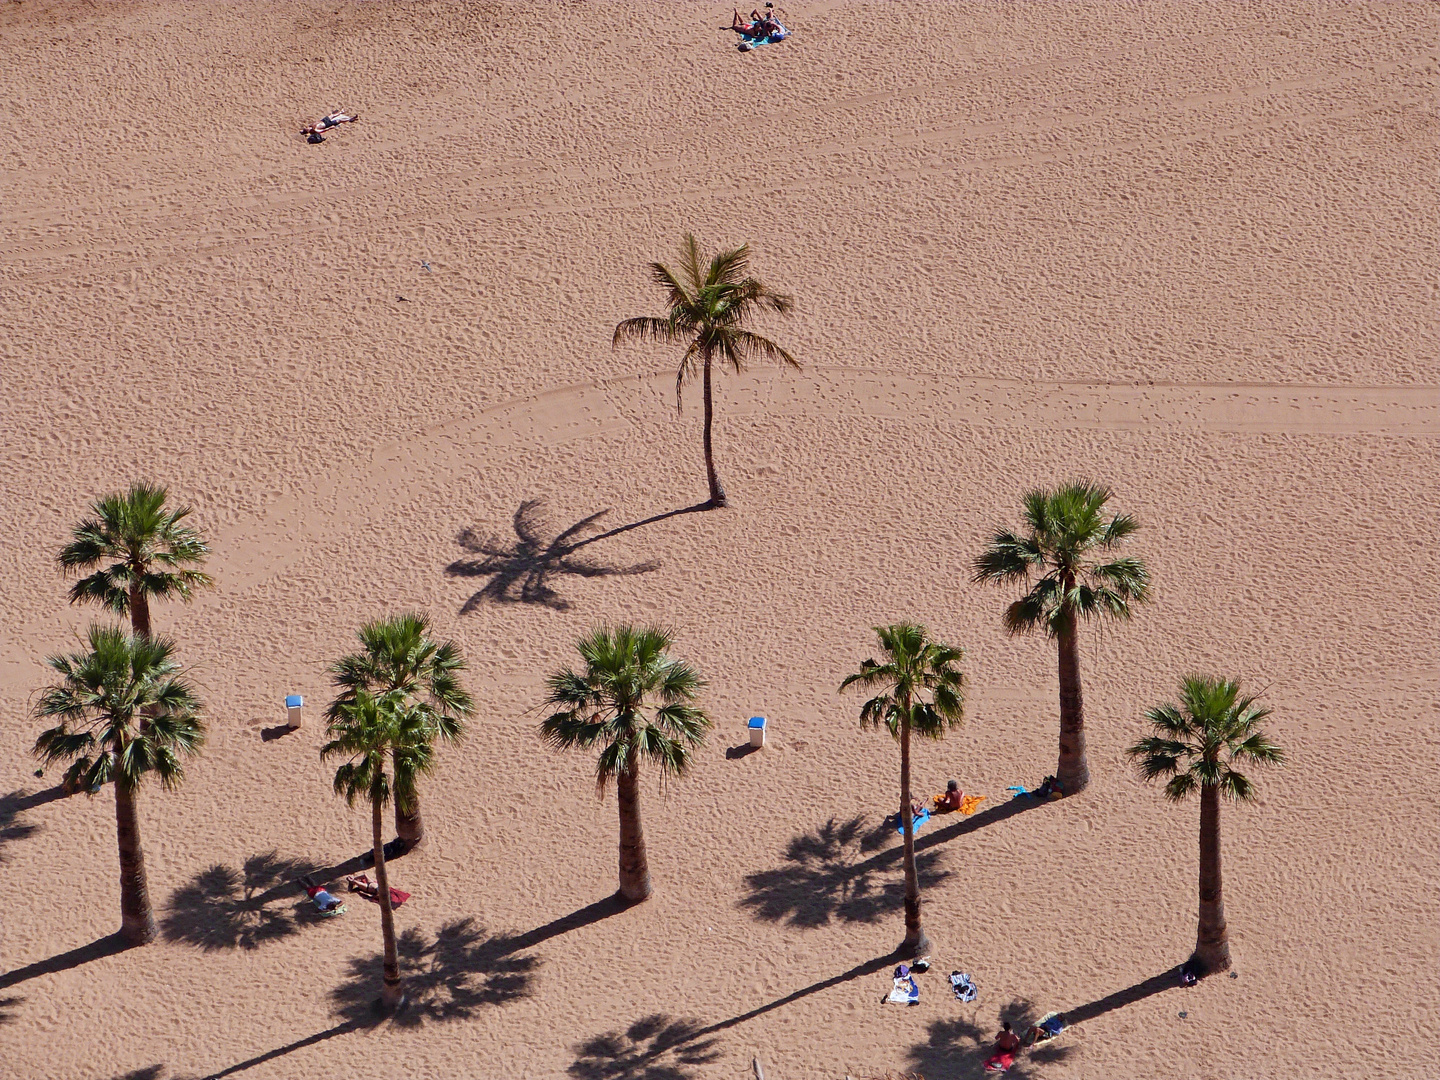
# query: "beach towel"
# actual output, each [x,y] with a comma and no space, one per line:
[964,986]
[920,819]
[1049,1026]
[971,803]
[1016,790]
[904,991]
[1000,1061]
[748,44]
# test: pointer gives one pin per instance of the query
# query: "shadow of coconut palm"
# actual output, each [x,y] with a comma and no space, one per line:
[827,878]
[450,976]
[524,572]
[956,1049]
[656,1047]
[225,908]
[10,1009]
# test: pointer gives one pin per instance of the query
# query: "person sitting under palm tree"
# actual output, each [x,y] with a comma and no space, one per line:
[951,800]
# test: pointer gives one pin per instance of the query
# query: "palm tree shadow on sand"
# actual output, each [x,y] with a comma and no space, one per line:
[450,976]
[656,1047]
[459,954]
[825,877]
[956,1049]
[524,572]
[225,908]
[13,825]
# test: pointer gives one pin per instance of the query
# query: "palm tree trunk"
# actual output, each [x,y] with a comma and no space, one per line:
[1073,772]
[717,493]
[139,613]
[390,992]
[1212,942]
[916,944]
[634,867]
[140,627]
[137,922]
[409,826]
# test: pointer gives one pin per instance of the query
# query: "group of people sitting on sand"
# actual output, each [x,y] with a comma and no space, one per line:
[950,801]
[757,26]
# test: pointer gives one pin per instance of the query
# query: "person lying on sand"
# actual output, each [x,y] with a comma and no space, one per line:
[325,123]
[759,25]
[1006,1046]
[325,901]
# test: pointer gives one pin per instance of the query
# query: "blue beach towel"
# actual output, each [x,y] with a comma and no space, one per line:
[920,819]
[749,44]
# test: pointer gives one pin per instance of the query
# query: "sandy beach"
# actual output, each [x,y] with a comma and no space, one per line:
[1184,250]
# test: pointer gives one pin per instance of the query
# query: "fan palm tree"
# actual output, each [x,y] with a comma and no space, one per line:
[369,730]
[139,549]
[1197,744]
[398,654]
[914,667]
[636,704]
[99,702]
[709,309]
[1065,527]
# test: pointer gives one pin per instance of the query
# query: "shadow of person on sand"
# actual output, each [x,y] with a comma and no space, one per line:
[825,879]
[956,1049]
[656,1047]
[524,572]
[450,976]
[225,908]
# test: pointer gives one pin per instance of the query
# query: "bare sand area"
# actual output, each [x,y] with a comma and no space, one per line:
[1188,250]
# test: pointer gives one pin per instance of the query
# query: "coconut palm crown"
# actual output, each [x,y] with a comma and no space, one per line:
[635,703]
[710,306]
[922,691]
[1055,559]
[398,654]
[138,549]
[1196,746]
[124,711]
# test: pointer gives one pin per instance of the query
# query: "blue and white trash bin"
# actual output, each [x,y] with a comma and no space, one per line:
[757,731]
[294,703]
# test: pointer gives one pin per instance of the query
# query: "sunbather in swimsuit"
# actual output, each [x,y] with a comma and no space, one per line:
[1006,1047]
[325,123]
[952,798]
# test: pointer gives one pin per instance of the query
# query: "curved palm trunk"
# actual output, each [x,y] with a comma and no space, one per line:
[717,493]
[634,867]
[1212,942]
[137,922]
[409,826]
[390,992]
[916,944]
[1073,772]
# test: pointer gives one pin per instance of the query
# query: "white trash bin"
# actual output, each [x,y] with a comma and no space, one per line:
[294,704]
[757,731]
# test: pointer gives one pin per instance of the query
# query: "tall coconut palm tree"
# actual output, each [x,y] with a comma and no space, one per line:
[636,704]
[139,550]
[369,730]
[1066,526]
[709,309]
[915,668]
[99,702]
[1196,745]
[399,654]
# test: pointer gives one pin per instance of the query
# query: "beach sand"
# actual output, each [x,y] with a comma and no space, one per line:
[1185,250]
